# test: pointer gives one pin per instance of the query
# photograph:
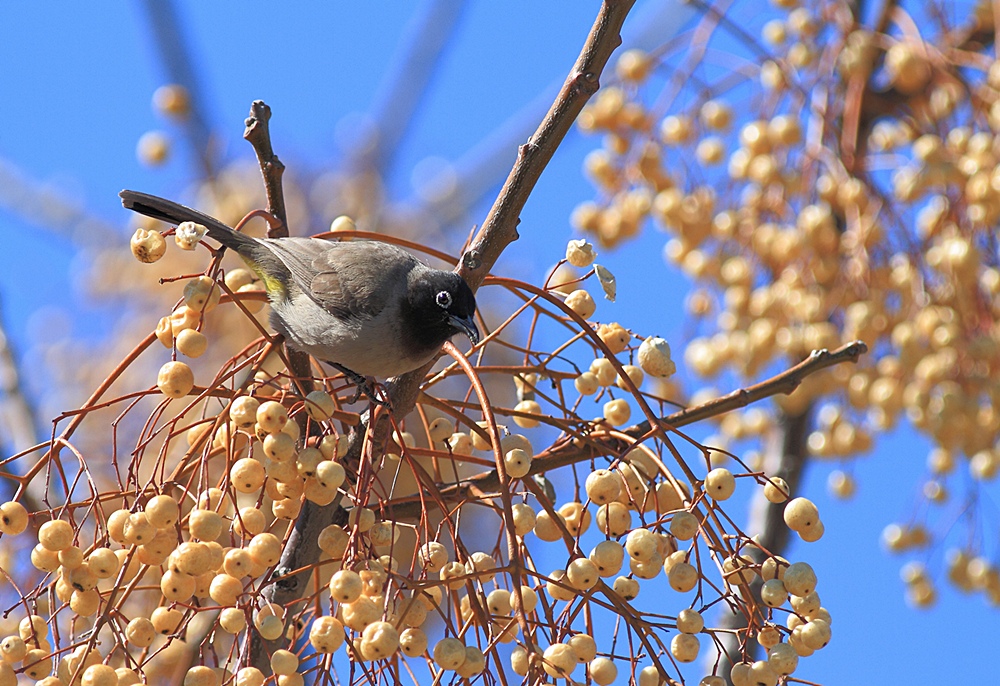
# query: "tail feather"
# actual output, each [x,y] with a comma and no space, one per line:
[175,213]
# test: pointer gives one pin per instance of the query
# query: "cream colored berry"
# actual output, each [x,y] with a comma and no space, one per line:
[720,484]
[690,621]
[99,675]
[379,640]
[586,383]
[243,411]
[56,535]
[187,235]
[140,632]
[783,658]
[205,524]
[225,590]
[582,303]
[33,628]
[584,646]
[776,490]
[603,486]
[482,565]
[284,662]
[13,518]
[800,514]
[175,380]
[580,253]
[614,336]
[617,411]
[200,675]
[360,613]
[528,407]
[575,516]
[13,649]
[627,588]
[559,660]
[582,574]
[265,549]
[320,405]
[684,525]
[433,556]
[326,634]
[654,357]
[413,642]
[166,620]
[498,602]
[641,545]
[249,676]
[604,371]
[685,647]
[799,579]
[191,343]
[683,577]
[37,663]
[172,100]
[524,519]
[558,586]
[148,246]
[176,587]
[345,586]
[247,475]
[271,417]
[608,557]
[614,519]
[528,601]
[635,375]
[449,653]
[162,511]
[362,518]
[812,533]
[603,671]
[519,662]
[517,462]
[202,294]
[545,527]
[280,447]
[270,627]
[773,593]
[44,559]
[816,634]
[475,663]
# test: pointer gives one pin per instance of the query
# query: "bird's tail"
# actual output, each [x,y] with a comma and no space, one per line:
[175,213]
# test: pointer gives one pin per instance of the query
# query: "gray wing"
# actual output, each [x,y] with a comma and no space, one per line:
[351,279]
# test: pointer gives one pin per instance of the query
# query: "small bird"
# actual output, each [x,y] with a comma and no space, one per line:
[370,309]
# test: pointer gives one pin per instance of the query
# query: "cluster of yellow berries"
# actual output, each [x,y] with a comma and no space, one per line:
[795,251]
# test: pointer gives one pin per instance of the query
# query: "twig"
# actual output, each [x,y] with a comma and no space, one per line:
[567,452]
[258,134]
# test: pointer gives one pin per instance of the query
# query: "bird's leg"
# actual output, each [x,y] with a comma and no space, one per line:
[363,385]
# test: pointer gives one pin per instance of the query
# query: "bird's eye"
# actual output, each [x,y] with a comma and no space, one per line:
[443,299]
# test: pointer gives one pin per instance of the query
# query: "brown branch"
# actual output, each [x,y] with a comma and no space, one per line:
[500,227]
[566,452]
[258,134]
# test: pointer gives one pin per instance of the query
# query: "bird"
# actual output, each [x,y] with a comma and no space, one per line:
[368,308]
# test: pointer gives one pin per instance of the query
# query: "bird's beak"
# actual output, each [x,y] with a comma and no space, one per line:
[467,326]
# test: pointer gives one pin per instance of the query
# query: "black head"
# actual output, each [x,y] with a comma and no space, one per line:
[440,305]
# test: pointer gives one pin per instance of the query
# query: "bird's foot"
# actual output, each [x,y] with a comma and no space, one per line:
[364,387]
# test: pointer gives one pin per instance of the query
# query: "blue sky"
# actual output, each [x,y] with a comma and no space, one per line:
[77,82]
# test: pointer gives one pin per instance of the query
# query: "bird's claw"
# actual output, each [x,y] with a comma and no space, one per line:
[363,387]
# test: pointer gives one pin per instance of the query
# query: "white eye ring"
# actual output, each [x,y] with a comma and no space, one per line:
[443,299]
